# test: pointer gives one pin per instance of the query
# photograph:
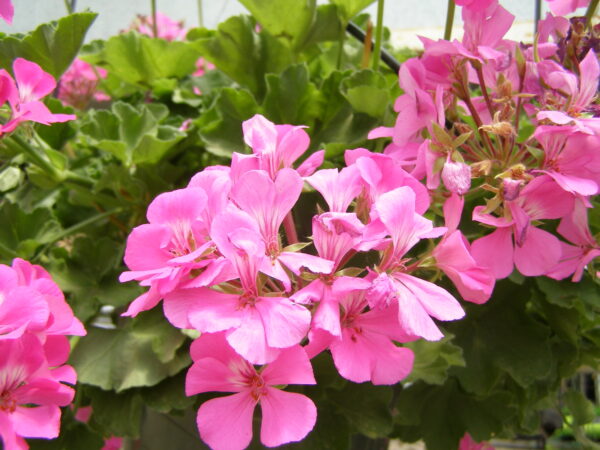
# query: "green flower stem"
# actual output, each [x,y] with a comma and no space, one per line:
[589,14]
[75,228]
[378,35]
[449,20]
[340,50]
[69,6]
[200,14]
[36,156]
[154,27]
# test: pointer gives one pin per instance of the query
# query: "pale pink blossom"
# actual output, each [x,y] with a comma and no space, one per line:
[563,7]
[79,85]
[226,422]
[166,28]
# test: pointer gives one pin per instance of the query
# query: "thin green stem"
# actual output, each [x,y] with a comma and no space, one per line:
[37,157]
[341,50]
[449,20]
[589,14]
[378,35]
[200,14]
[75,228]
[154,25]
[69,6]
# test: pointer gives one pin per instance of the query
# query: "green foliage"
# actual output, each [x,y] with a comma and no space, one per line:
[146,61]
[51,45]
[142,353]
[133,135]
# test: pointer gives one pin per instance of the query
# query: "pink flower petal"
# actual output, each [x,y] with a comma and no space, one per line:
[286,417]
[226,423]
[539,253]
[292,366]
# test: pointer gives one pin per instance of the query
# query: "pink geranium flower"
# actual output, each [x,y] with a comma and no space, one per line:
[563,7]
[7,11]
[453,256]
[516,241]
[364,350]
[418,300]
[32,84]
[277,146]
[30,393]
[78,85]
[30,301]
[257,326]
[226,422]
[166,27]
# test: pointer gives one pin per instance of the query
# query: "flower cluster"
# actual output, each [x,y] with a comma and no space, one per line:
[264,304]
[35,321]
[471,145]
[24,94]
[79,85]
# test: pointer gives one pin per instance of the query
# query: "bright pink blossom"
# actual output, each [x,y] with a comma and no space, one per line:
[516,241]
[278,146]
[32,83]
[226,422]
[364,350]
[417,299]
[453,257]
[256,326]
[30,393]
[7,11]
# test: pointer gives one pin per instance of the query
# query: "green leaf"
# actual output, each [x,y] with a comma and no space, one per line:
[220,127]
[168,395]
[327,26]
[116,414]
[501,338]
[291,19]
[73,434]
[133,135]
[139,59]
[291,98]
[240,52]
[442,414]
[433,359]
[10,178]
[133,356]
[366,407]
[51,45]
[349,8]
[21,233]
[580,407]
[367,91]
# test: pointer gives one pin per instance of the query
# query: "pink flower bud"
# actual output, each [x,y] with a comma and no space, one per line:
[456,177]
[511,188]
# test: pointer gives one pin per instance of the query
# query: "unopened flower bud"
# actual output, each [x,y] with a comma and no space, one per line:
[511,188]
[456,177]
